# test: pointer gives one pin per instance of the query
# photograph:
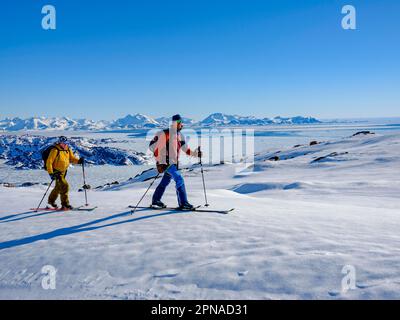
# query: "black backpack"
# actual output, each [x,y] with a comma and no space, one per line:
[46,152]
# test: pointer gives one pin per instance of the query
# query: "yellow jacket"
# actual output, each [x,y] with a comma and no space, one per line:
[59,159]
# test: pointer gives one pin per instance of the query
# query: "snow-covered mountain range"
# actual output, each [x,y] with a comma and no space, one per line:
[220,119]
[24,152]
[42,123]
[138,121]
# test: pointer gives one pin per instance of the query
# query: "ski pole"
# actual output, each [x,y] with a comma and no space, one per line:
[37,209]
[154,180]
[84,182]
[204,184]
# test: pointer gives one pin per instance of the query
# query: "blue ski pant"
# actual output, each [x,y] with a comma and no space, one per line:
[169,174]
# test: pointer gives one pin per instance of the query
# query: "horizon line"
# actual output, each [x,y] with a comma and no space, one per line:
[204,117]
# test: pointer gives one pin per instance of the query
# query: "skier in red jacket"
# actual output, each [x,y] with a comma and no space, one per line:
[166,146]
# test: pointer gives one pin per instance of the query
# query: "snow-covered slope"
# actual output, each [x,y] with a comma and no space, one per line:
[298,223]
[24,152]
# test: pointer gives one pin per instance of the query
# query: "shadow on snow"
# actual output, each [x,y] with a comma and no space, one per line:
[89,226]
[24,216]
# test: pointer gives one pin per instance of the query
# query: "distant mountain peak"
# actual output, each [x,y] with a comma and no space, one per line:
[134,121]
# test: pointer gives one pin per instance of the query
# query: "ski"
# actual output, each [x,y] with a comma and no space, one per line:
[195,209]
[165,208]
[50,209]
[83,208]
[80,208]
[45,209]
[215,211]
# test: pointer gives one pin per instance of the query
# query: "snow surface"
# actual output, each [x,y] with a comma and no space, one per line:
[297,223]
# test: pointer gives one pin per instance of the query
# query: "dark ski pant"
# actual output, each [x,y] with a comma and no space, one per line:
[61,188]
[169,174]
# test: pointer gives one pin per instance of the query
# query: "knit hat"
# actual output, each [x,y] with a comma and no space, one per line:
[62,139]
[176,117]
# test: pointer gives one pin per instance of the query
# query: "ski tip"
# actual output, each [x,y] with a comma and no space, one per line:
[215,211]
[83,208]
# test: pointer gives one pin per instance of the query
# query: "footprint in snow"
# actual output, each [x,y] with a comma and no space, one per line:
[358,286]
[334,293]
[365,286]
[166,275]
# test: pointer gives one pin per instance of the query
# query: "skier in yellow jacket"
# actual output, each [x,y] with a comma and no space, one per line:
[57,165]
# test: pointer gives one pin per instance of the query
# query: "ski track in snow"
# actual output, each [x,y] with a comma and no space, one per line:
[296,224]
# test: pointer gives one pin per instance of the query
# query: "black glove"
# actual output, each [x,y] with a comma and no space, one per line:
[81,160]
[86,186]
[161,167]
[199,153]
[55,175]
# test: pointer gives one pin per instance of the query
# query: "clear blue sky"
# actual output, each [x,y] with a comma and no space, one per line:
[265,58]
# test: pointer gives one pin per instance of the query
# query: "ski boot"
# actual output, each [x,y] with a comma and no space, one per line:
[52,205]
[67,207]
[186,207]
[158,205]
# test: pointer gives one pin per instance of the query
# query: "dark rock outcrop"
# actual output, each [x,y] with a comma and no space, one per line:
[363,133]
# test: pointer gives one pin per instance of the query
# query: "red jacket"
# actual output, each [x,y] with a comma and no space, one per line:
[166,146]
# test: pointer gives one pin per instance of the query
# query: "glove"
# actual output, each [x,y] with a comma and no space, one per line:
[161,167]
[55,175]
[81,160]
[86,186]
